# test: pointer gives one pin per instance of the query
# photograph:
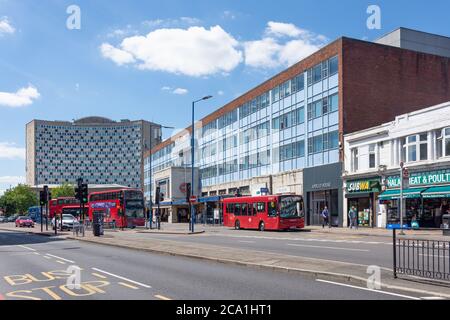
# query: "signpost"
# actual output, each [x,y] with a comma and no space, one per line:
[404,182]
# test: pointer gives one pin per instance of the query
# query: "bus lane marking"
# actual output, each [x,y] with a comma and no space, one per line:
[99,275]
[128,285]
[59,258]
[28,248]
[122,278]
[367,289]
[322,247]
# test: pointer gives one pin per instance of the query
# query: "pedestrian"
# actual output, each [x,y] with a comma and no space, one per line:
[325,217]
[353,217]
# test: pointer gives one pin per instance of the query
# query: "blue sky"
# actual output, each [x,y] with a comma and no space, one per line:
[139,59]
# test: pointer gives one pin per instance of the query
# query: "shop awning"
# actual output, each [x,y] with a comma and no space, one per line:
[209,199]
[412,193]
[437,192]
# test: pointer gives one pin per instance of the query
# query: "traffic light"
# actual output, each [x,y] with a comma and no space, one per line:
[49,196]
[42,198]
[84,193]
[188,192]
[157,195]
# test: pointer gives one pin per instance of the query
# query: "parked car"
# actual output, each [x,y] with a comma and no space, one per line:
[12,218]
[3,219]
[68,222]
[24,222]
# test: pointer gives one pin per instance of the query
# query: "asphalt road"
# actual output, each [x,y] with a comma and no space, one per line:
[35,267]
[353,249]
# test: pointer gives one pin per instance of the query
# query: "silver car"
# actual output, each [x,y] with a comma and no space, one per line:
[68,222]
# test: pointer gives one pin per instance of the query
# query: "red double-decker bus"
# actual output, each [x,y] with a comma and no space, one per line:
[57,205]
[282,212]
[124,207]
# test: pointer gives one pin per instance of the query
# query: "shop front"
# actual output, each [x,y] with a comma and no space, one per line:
[322,187]
[426,199]
[362,195]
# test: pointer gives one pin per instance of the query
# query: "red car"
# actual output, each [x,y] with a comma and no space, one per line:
[24,222]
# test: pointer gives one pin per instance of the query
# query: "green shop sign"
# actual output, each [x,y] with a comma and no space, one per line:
[363,186]
[422,178]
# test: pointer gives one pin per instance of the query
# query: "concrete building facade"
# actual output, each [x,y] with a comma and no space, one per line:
[296,121]
[99,150]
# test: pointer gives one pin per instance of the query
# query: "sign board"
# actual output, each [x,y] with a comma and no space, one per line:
[183,187]
[193,199]
[422,178]
[216,214]
[363,186]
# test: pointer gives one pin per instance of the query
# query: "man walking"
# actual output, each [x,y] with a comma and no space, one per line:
[353,215]
[325,217]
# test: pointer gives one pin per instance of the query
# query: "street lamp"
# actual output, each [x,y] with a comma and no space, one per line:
[192,160]
[150,216]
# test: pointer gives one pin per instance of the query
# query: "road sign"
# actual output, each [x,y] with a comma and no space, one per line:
[405,173]
[193,199]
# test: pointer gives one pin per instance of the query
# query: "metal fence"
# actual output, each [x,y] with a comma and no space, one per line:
[427,259]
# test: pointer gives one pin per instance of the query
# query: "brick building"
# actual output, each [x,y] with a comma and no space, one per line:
[287,133]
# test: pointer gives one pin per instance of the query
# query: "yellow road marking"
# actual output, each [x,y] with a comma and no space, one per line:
[128,285]
[162,297]
[99,275]
[60,262]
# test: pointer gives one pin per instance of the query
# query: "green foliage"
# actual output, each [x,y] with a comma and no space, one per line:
[18,199]
[65,190]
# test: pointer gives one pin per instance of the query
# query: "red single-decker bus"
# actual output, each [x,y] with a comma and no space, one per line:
[278,212]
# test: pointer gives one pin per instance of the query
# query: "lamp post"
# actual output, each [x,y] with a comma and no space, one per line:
[192,160]
[150,215]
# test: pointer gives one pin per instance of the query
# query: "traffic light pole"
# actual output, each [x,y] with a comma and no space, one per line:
[42,219]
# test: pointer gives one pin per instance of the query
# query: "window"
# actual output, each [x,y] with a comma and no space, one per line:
[317,73]
[446,142]
[355,158]
[334,65]
[314,110]
[372,156]
[298,83]
[415,148]
[333,103]
[261,207]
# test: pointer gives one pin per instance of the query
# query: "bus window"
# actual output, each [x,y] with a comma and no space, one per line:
[261,207]
[254,209]
[237,209]
[272,209]
[244,209]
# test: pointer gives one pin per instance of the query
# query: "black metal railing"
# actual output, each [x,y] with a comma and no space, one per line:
[427,259]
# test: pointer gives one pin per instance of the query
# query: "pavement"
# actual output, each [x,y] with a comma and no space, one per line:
[336,255]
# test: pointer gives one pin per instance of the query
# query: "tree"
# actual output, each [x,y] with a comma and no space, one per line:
[64,190]
[18,199]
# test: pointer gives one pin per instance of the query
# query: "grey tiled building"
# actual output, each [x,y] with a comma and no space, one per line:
[99,150]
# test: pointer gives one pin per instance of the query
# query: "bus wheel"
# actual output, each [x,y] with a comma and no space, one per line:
[261,226]
[237,225]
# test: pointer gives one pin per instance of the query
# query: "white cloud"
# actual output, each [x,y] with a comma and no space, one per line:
[120,57]
[227,14]
[11,151]
[273,51]
[23,97]
[279,29]
[195,51]
[5,26]
[12,180]
[220,93]
[180,91]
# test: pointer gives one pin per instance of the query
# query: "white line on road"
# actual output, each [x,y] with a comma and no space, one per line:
[322,247]
[67,260]
[367,289]
[161,297]
[28,248]
[246,241]
[432,298]
[122,278]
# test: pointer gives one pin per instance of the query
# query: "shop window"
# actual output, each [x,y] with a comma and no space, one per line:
[446,142]
[372,156]
[415,148]
[355,159]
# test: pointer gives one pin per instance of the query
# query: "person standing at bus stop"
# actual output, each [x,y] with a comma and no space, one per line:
[325,217]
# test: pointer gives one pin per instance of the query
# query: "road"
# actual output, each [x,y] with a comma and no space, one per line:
[35,267]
